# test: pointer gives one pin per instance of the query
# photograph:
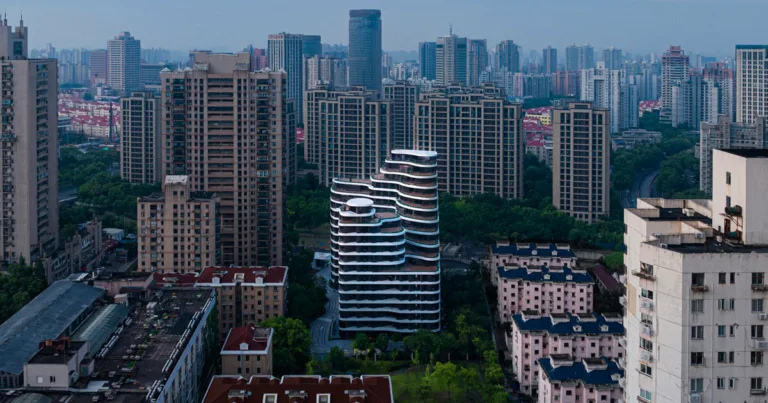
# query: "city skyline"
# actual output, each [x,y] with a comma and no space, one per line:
[230,32]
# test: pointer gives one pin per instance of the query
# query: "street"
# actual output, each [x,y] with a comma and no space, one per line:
[320,329]
[641,187]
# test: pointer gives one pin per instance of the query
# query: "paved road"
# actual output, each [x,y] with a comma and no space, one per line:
[641,187]
[320,328]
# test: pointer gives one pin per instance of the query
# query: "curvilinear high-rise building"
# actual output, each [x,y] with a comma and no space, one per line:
[28,139]
[231,131]
[385,246]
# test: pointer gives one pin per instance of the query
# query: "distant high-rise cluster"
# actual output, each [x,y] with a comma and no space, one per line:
[610,89]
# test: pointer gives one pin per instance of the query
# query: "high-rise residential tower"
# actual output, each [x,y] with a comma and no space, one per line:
[579,57]
[477,60]
[695,291]
[286,52]
[611,90]
[364,59]
[507,56]
[123,63]
[613,58]
[751,82]
[427,59]
[385,247]
[549,60]
[725,81]
[312,45]
[140,138]
[348,134]
[451,60]
[572,58]
[581,160]
[326,70]
[675,67]
[98,66]
[403,97]
[29,143]
[478,137]
[237,141]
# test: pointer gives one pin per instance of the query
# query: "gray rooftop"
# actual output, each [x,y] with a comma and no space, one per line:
[45,317]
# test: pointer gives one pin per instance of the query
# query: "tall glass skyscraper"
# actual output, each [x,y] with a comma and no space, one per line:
[365,49]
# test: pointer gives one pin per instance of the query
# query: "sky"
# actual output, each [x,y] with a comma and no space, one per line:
[707,27]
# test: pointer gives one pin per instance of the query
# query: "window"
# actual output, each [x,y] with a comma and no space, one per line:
[757,305]
[697,358]
[697,385]
[721,331]
[646,293]
[722,279]
[725,304]
[697,279]
[731,383]
[733,278]
[722,357]
[646,369]
[646,345]
[646,319]
[697,305]
[727,178]
[39,379]
[52,379]
[756,383]
[721,383]
[756,357]
[756,331]
[758,278]
[730,357]
[697,332]
[732,331]
[646,394]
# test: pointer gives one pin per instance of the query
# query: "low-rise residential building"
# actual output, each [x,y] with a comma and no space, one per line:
[247,351]
[300,389]
[542,114]
[547,289]
[246,294]
[533,336]
[589,380]
[179,229]
[57,364]
[511,254]
[628,139]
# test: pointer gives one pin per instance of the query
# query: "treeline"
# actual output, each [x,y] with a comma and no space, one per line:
[308,203]
[76,168]
[19,285]
[105,192]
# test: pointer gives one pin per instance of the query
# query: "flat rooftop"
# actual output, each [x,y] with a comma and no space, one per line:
[149,341]
[711,245]
[56,354]
[747,153]
[677,214]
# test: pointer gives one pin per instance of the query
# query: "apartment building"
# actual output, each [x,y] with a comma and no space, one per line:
[534,336]
[610,89]
[403,96]
[140,138]
[536,86]
[751,82]
[507,56]
[727,135]
[385,247]
[725,81]
[590,380]
[246,295]
[549,60]
[123,63]
[695,303]
[478,137]
[300,389]
[477,60]
[675,67]
[348,134]
[580,160]
[28,141]
[286,53]
[508,254]
[326,70]
[427,60]
[451,60]
[566,83]
[247,351]
[232,132]
[179,229]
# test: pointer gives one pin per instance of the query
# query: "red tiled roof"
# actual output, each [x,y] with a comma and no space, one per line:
[257,338]
[174,280]
[342,388]
[272,274]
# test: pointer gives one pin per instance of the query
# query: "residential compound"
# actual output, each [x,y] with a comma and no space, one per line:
[246,295]
[580,160]
[587,380]
[348,134]
[140,138]
[477,135]
[724,134]
[29,144]
[232,132]
[385,247]
[751,82]
[179,230]
[610,89]
[696,289]
[702,98]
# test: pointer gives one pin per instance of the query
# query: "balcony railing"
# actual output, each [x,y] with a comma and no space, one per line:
[699,288]
[759,287]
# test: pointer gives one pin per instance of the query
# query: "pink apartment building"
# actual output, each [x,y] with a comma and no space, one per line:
[513,255]
[584,336]
[590,380]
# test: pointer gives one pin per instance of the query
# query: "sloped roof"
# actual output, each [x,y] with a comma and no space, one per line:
[569,324]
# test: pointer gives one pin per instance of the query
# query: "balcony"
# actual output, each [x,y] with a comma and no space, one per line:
[645,274]
[757,392]
[699,288]
[760,287]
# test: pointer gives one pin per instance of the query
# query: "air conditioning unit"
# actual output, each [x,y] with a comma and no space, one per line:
[647,330]
[763,316]
[647,305]
[695,397]
[646,356]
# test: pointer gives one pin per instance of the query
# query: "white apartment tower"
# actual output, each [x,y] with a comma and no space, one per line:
[695,312]
[610,89]
[124,63]
[751,82]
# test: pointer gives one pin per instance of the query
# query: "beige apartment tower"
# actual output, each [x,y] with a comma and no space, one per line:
[580,160]
[478,137]
[140,138]
[348,134]
[28,139]
[751,82]
[179,229]
[232,131]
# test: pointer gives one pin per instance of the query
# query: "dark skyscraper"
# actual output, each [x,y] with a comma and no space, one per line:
[312,46]
[549,60]
[427,59]
[365,49]
[508,56]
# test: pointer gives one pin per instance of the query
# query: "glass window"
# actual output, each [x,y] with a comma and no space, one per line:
[697,385]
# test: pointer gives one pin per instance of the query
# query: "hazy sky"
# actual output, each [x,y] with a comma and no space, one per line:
[709,27]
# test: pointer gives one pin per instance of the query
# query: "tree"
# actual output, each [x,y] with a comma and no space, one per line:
[445,377]
[291,344]
[381,342]
[20,284]
[423,343]
[470,378]
[361,342]
[306,294]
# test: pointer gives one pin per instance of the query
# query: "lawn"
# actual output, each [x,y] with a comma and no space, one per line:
[406,385]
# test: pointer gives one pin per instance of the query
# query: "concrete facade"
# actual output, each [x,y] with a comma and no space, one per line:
[751,82]
[724,134]
[140,138]
[124,63]
[403,97]
[451,60]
